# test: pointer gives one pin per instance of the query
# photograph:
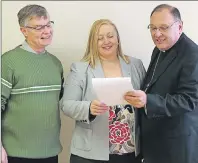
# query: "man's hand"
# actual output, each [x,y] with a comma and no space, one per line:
[97,107]
[4,157]
[136,98]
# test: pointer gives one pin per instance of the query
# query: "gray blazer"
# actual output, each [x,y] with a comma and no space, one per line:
[91,138]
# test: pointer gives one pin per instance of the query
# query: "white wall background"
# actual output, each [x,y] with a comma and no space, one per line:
[73,21]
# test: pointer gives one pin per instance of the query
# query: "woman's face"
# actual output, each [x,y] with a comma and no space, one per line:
[107,41]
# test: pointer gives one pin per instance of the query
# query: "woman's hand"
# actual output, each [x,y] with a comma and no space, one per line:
[4,157]
[98,108]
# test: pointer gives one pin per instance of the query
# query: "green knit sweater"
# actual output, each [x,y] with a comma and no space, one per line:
[31,85]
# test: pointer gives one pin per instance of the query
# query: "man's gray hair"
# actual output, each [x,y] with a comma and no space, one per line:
[173,10]
[30,11]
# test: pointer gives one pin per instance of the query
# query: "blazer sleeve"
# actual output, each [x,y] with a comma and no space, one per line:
[183,100]
[73,106]
[141,71]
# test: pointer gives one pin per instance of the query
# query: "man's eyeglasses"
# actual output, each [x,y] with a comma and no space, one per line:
[163,28]
[41,27]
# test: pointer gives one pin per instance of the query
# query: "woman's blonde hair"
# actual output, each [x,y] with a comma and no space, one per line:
[92,54]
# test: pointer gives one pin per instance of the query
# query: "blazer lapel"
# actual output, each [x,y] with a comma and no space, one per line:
[153,58]
[155,52]
[164,65]
[125,68]
[98,71]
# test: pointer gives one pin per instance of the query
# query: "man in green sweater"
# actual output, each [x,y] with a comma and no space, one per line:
[31,83]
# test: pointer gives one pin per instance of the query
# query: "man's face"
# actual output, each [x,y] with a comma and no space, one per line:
[38,33]
[165,30]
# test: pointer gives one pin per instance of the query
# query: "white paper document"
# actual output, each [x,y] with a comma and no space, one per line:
[111,90]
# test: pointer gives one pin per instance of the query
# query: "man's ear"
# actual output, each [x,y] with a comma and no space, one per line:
[24,31]
[181,26]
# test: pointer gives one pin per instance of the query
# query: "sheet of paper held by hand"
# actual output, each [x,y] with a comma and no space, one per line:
[111,90]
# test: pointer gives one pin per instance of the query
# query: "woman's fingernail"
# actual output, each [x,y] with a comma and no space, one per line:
[103,104]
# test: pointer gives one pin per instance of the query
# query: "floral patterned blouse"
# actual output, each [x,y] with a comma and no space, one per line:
[121,129]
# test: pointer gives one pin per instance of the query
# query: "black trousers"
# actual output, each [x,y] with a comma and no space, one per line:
[126,158]
[27,160]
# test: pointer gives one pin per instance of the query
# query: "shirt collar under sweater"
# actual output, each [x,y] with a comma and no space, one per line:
[27,47]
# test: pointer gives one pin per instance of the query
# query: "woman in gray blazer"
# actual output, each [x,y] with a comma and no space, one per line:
[102,133]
